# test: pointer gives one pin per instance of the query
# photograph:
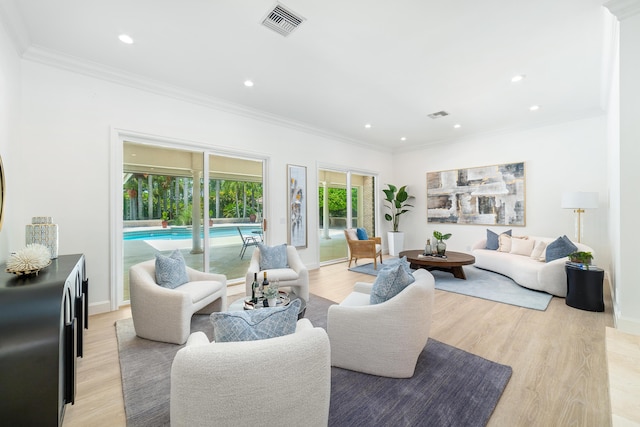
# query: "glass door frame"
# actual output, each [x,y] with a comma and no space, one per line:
[349,171]
[116,157]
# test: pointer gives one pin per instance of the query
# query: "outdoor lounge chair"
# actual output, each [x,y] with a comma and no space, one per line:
[247,241]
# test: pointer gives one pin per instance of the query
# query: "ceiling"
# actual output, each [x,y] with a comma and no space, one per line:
[350,63]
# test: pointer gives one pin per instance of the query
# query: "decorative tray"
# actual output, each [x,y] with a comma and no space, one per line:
[283,299]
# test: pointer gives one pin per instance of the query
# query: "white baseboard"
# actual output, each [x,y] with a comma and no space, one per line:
[99,307]
[626,324]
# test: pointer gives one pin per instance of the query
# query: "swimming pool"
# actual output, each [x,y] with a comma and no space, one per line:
[181,233]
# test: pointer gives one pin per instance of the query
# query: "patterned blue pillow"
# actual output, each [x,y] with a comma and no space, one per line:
[171,271]
[259,324]
[493,241]
[559,248]
[405,264]
[273,256]
[362,234]
[389,283]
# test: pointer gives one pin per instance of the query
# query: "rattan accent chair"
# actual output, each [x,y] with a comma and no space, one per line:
[371,248]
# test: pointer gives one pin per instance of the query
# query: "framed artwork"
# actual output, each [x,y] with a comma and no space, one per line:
[297,186]
[486,195]
[2,192]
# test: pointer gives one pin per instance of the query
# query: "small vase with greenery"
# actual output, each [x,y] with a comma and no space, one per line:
[397,202]
[441,245]
[581,257]
[271,295]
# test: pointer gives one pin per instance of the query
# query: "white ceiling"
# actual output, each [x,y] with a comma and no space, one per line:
[350,63]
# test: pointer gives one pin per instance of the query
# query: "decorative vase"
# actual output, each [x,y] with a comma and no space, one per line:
[396,242]
[442,248]
[273,302]
[43,231]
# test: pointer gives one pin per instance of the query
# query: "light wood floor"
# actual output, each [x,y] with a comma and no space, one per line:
[558,356]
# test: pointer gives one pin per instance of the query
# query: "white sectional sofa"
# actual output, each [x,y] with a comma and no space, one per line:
[524,269]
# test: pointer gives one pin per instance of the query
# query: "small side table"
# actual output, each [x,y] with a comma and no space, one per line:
[584,288]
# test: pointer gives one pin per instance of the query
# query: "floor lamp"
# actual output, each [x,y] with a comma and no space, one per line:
[579,201]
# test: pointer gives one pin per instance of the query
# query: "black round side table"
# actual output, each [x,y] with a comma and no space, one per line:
[584,288]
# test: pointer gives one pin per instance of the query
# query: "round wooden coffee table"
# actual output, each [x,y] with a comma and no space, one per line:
[452,263]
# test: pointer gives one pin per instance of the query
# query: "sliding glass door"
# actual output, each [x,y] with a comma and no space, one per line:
[165,208]
[235,213]
[346,200]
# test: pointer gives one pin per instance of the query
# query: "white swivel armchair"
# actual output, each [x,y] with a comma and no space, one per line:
[271,382]
[382,339]
[163,314]
[296,277]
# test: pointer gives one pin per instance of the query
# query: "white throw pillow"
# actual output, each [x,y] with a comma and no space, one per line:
[352,234]
[522,246]
[504,243]
[538,251]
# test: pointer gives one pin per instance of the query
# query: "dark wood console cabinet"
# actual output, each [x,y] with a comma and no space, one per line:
[41,334]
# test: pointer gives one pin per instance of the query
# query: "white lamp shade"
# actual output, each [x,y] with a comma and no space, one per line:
[579,200]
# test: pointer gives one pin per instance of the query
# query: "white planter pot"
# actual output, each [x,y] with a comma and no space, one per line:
[396,242]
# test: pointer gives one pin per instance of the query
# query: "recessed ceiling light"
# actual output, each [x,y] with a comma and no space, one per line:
[534,108]
[404,138]
[133,154]
[248,83]
[125,38]
[368,125]
[457,126]
[517,78]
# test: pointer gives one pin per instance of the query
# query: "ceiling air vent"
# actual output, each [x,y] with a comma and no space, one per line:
[282,20]
[438,114]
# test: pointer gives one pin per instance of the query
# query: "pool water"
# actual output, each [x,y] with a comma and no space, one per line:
[181,233]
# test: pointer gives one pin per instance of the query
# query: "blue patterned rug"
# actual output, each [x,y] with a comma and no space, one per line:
[480,284]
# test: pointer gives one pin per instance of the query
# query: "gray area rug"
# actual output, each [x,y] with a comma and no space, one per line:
[480,284]
[450,387]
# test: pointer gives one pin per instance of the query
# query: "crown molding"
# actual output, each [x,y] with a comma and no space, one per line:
[100,71]
[14,26]
[623,9]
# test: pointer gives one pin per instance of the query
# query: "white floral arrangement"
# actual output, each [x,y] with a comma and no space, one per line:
[30,259]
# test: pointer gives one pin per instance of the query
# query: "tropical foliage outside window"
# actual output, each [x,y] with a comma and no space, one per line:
[171,198]
[337,200]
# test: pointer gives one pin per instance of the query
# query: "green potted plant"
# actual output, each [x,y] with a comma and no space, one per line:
[581,257]
[397,201]
[165,219]
[441,245]
[271,294]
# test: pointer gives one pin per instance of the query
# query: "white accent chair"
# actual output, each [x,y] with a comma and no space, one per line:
[296,277]
[272,382]
[382,339]
[163,314]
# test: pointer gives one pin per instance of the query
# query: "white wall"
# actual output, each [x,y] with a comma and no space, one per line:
[9,126]
[627,287]
[67,120]
[561,157]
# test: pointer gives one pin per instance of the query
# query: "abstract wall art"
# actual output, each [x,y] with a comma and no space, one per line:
[297,199]
[486,195]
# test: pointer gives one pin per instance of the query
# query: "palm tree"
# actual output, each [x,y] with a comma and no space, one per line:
[234,187]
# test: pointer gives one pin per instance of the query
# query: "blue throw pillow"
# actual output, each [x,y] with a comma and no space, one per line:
[258,324]
[389,283]
[559,248]
[171,271]
[362,234]
[273,256]
[493,239]
[405,264]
